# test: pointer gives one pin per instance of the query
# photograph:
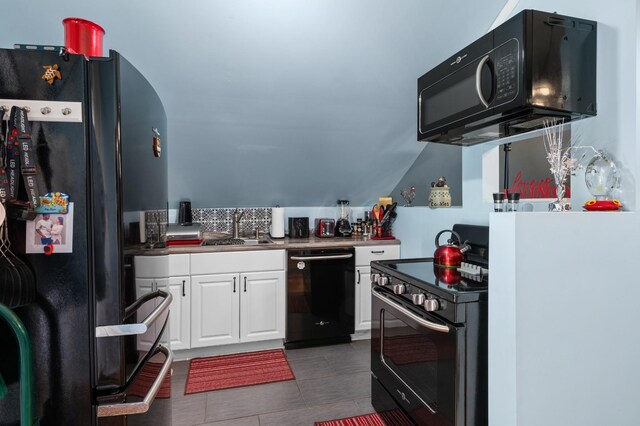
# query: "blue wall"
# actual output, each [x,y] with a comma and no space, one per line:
[276,101]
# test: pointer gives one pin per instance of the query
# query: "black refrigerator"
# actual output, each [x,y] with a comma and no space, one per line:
[89,330]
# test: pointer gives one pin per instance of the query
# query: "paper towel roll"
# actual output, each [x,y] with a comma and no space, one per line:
[277,222]
[143,227]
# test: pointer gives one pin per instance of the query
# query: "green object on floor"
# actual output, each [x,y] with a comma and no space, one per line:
[3,387]
[27,417]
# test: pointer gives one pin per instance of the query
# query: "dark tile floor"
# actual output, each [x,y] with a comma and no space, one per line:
[331,382]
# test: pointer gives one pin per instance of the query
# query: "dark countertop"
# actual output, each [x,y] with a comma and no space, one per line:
[278,244]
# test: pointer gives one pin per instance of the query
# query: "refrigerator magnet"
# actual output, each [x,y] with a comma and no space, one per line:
[50,231]
[53,203]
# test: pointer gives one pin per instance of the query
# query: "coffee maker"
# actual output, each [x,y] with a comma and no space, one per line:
[343,225]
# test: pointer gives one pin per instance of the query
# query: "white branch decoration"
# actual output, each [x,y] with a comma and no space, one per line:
[561,160]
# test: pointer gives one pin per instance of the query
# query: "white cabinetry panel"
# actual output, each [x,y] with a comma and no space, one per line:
[215,316]
[262,306]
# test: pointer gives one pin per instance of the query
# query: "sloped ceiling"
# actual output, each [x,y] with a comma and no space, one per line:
[289,102]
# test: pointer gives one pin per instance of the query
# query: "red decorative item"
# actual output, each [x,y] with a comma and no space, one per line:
[449,276]
[82,36]
[602,205]
[184,242]
[450,255]
[48,249]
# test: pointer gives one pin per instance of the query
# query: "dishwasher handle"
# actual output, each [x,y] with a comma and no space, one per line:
[328,257]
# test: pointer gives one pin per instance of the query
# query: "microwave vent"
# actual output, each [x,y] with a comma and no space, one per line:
[535,123]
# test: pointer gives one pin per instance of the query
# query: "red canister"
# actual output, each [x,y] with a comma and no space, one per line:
[82,36]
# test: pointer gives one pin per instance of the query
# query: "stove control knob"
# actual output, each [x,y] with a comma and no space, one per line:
[418,298]
[431,305]
[399,288]
[383,280]
[375,278]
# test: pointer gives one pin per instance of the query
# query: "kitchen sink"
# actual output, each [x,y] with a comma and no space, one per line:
[257,241]
[223,239]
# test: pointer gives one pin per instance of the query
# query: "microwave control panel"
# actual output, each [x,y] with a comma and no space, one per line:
[506,69]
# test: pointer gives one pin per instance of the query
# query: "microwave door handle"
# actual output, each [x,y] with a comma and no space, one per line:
[143,406]
[139,328]
[478,78]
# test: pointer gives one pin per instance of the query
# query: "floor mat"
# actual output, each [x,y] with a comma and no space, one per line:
[231,371]
[389,418]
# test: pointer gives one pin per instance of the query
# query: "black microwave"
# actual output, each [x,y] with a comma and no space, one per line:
[535,67]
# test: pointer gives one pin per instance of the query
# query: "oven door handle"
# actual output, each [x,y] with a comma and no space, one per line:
[138,328]
[143,406]
[330,257]
[425,323]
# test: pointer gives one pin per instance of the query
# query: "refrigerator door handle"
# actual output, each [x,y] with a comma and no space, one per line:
[139,328]
[143,406]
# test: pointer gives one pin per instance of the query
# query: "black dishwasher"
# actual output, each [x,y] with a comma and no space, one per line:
[320,297]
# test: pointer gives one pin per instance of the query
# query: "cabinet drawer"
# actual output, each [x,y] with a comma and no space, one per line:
[178,264]
[239,261]
[151,266]
[364,255]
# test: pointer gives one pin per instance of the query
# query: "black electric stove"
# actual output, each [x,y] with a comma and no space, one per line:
[429,336]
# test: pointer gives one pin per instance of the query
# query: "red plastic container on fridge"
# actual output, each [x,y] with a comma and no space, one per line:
[82,36]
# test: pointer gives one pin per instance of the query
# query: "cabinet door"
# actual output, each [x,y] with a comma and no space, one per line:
[215,300]
[180,315]
[363,298]
[143,286]
[262,306]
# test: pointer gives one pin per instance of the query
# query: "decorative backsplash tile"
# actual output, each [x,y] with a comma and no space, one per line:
[214,220]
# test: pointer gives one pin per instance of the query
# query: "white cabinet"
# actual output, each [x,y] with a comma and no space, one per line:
[239,298]
[169,273]
[363,298]
[180,315]
[144,286]
[262,306]
[215,310]
[364,256]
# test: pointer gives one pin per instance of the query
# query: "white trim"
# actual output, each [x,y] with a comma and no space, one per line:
[504,14]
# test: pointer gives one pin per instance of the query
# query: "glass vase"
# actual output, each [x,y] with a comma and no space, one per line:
[561,204]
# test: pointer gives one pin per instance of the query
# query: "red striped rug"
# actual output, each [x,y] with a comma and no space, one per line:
[388,418]
[145,379]
[232,371]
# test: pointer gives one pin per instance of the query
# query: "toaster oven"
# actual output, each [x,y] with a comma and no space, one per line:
[325,228]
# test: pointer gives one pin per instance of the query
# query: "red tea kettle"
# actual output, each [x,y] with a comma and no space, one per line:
[450,255]
[448,276]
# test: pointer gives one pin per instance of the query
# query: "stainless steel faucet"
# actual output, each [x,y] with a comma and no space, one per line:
[236,222]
